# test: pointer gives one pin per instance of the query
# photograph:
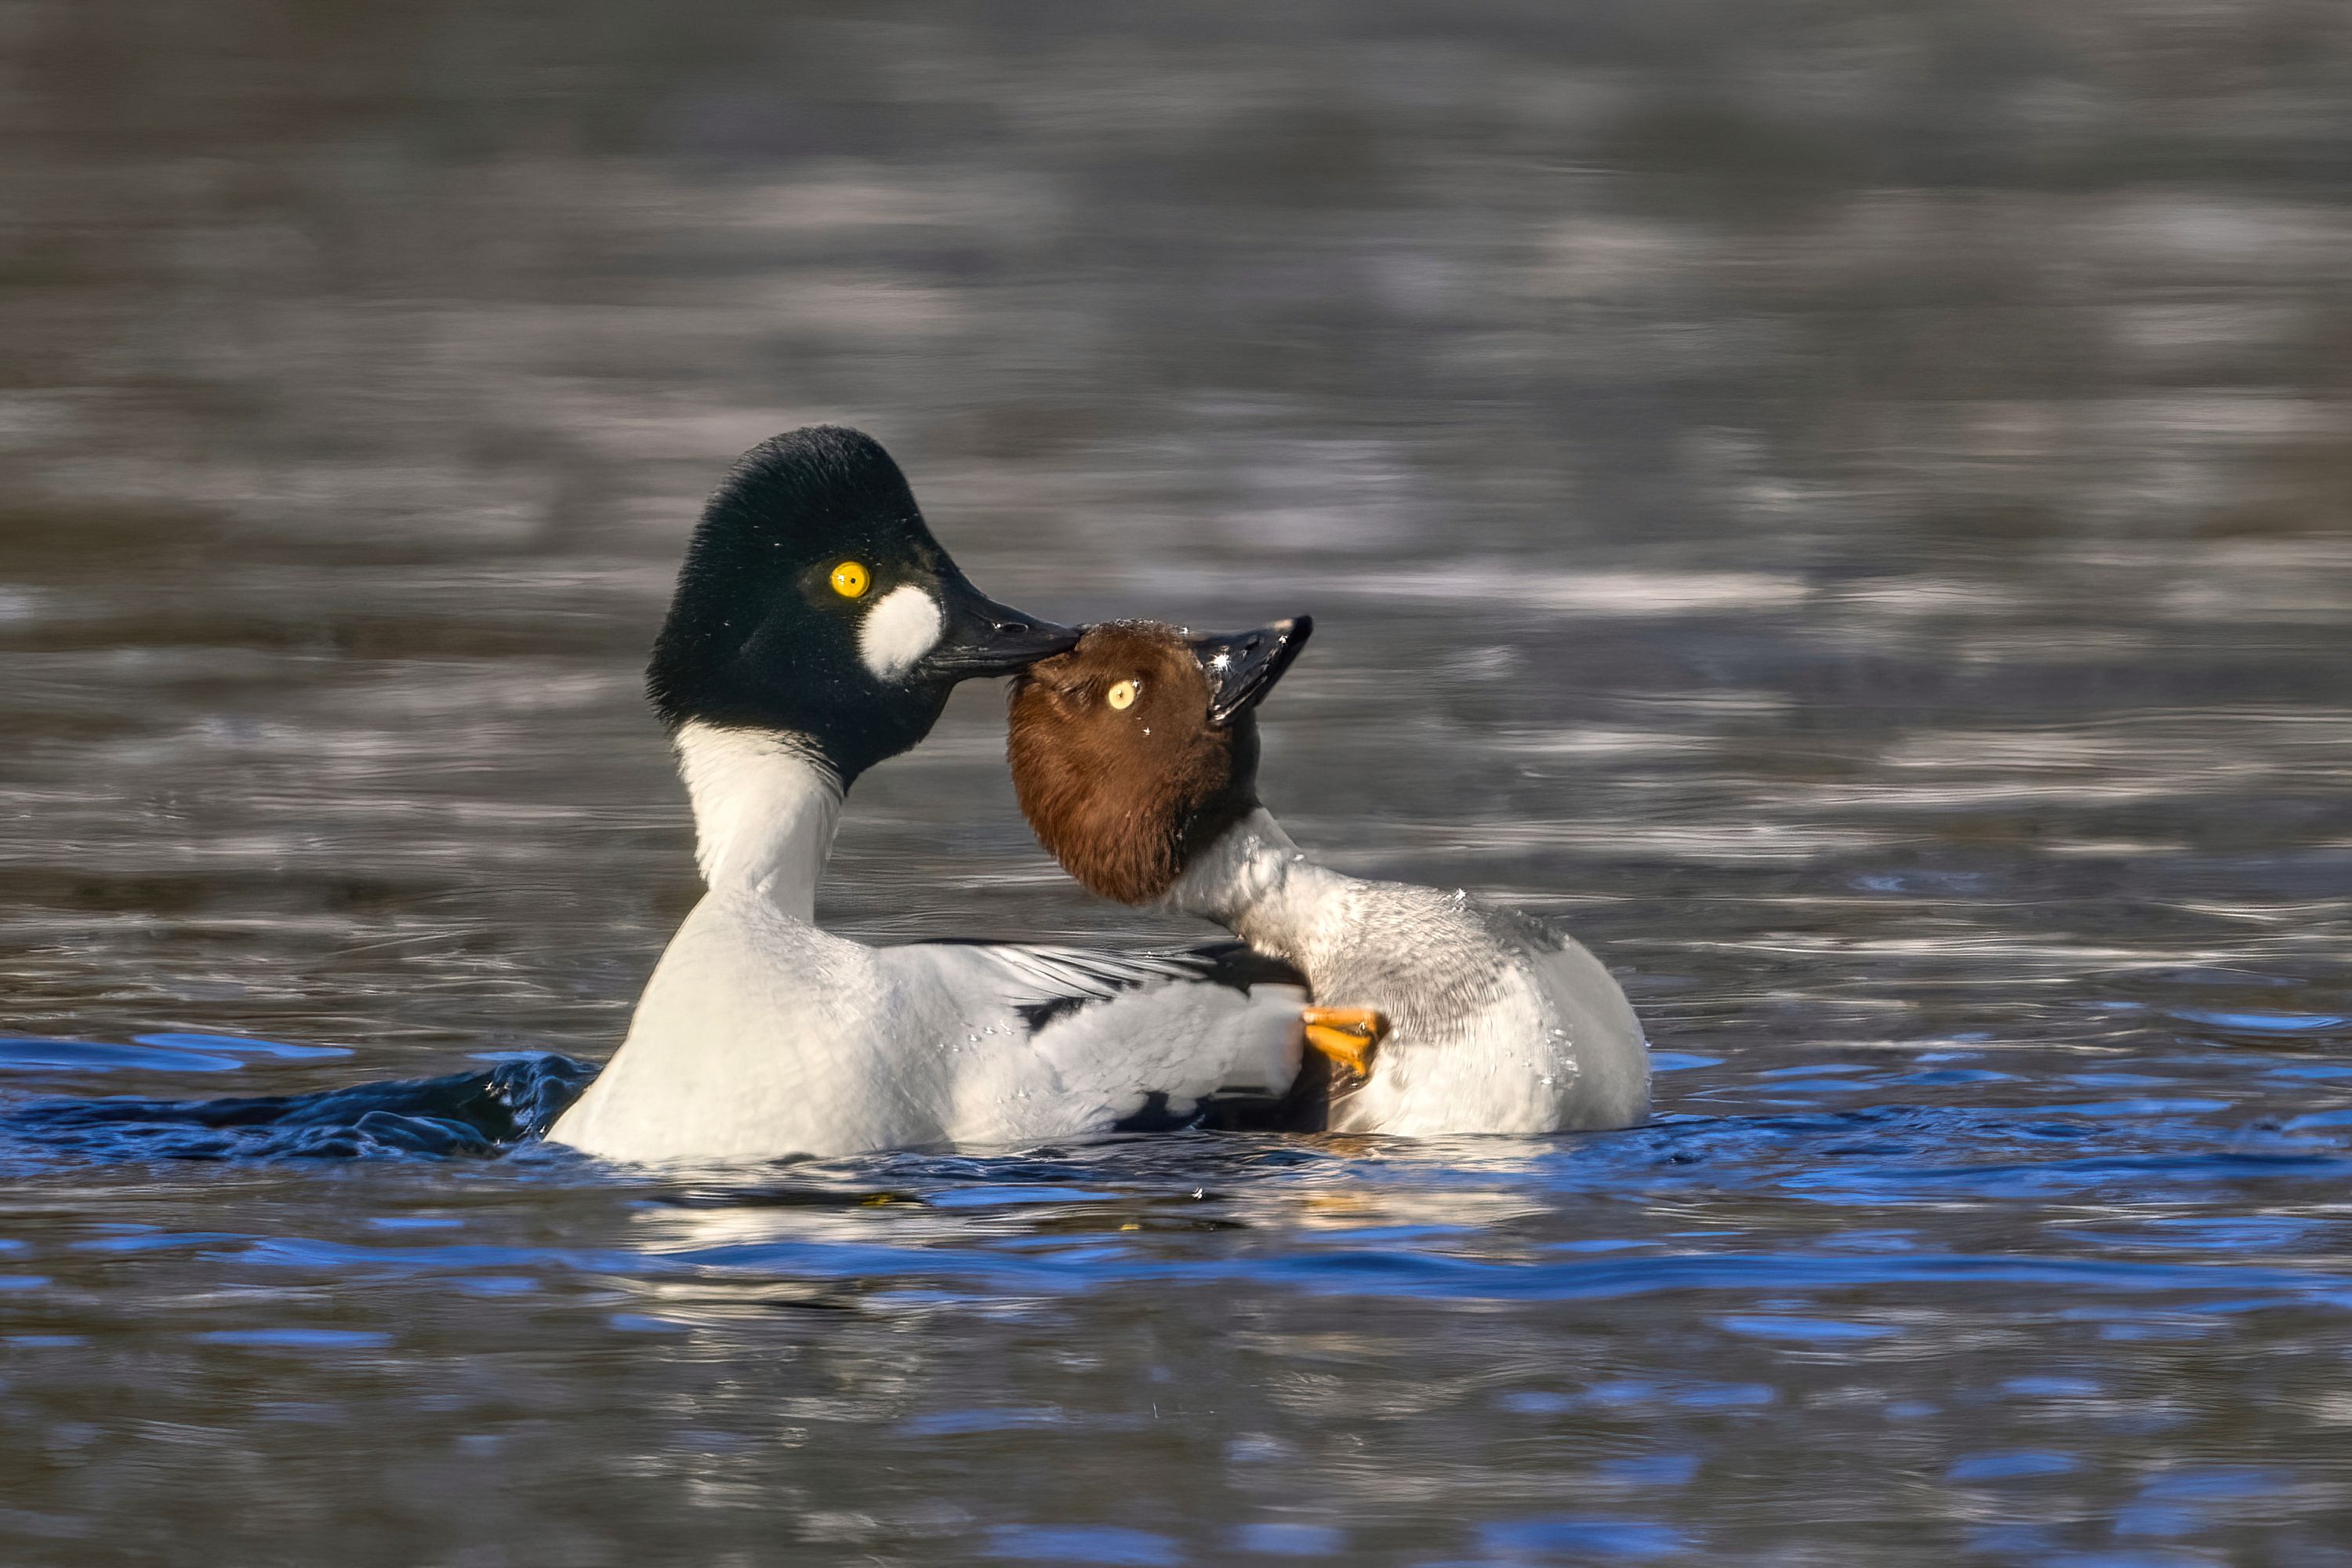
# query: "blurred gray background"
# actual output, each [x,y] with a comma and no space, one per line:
[1726,445]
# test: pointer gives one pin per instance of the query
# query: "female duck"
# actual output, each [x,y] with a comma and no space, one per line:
[1135,757]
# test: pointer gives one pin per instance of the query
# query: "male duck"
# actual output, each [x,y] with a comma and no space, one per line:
[1135,757]
[816,630]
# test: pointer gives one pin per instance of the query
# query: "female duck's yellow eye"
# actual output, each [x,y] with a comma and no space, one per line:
[850,581]
[1123,694]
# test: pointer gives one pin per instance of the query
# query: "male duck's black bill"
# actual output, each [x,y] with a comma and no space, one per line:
[1242,666]
[984,637]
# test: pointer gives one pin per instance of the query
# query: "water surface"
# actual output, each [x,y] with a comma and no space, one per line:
[1843,505]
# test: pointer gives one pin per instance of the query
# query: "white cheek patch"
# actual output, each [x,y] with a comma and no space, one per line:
[903,626]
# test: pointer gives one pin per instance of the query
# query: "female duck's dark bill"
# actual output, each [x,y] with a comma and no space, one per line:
[984,637]
[1242,666]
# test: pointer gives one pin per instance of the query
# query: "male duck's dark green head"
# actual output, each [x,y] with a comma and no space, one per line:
[815,604]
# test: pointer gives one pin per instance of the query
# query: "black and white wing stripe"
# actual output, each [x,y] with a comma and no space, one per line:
[1100,1035]
[1044,985]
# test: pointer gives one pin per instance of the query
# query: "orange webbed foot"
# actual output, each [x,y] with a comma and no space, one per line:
[1347,1034]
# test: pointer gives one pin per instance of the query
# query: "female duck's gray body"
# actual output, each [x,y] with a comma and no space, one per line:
[816,630]
[1496,1023]
[1135,757]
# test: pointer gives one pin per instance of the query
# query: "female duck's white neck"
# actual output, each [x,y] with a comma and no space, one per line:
[765,807]
[1253,882]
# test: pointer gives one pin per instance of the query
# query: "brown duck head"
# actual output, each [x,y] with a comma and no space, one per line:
[1139,744]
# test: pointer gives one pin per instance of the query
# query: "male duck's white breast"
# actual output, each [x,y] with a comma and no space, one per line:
[758,1036]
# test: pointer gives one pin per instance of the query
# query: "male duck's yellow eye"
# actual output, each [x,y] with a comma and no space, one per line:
[850,579]
[1123,694]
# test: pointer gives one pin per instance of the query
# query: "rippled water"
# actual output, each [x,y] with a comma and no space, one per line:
[1847,506]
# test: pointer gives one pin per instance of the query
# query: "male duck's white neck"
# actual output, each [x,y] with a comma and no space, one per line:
[1253,882]
[765,807]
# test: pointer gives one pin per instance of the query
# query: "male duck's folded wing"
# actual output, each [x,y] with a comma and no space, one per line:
[1133,1030]
[1049,982]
